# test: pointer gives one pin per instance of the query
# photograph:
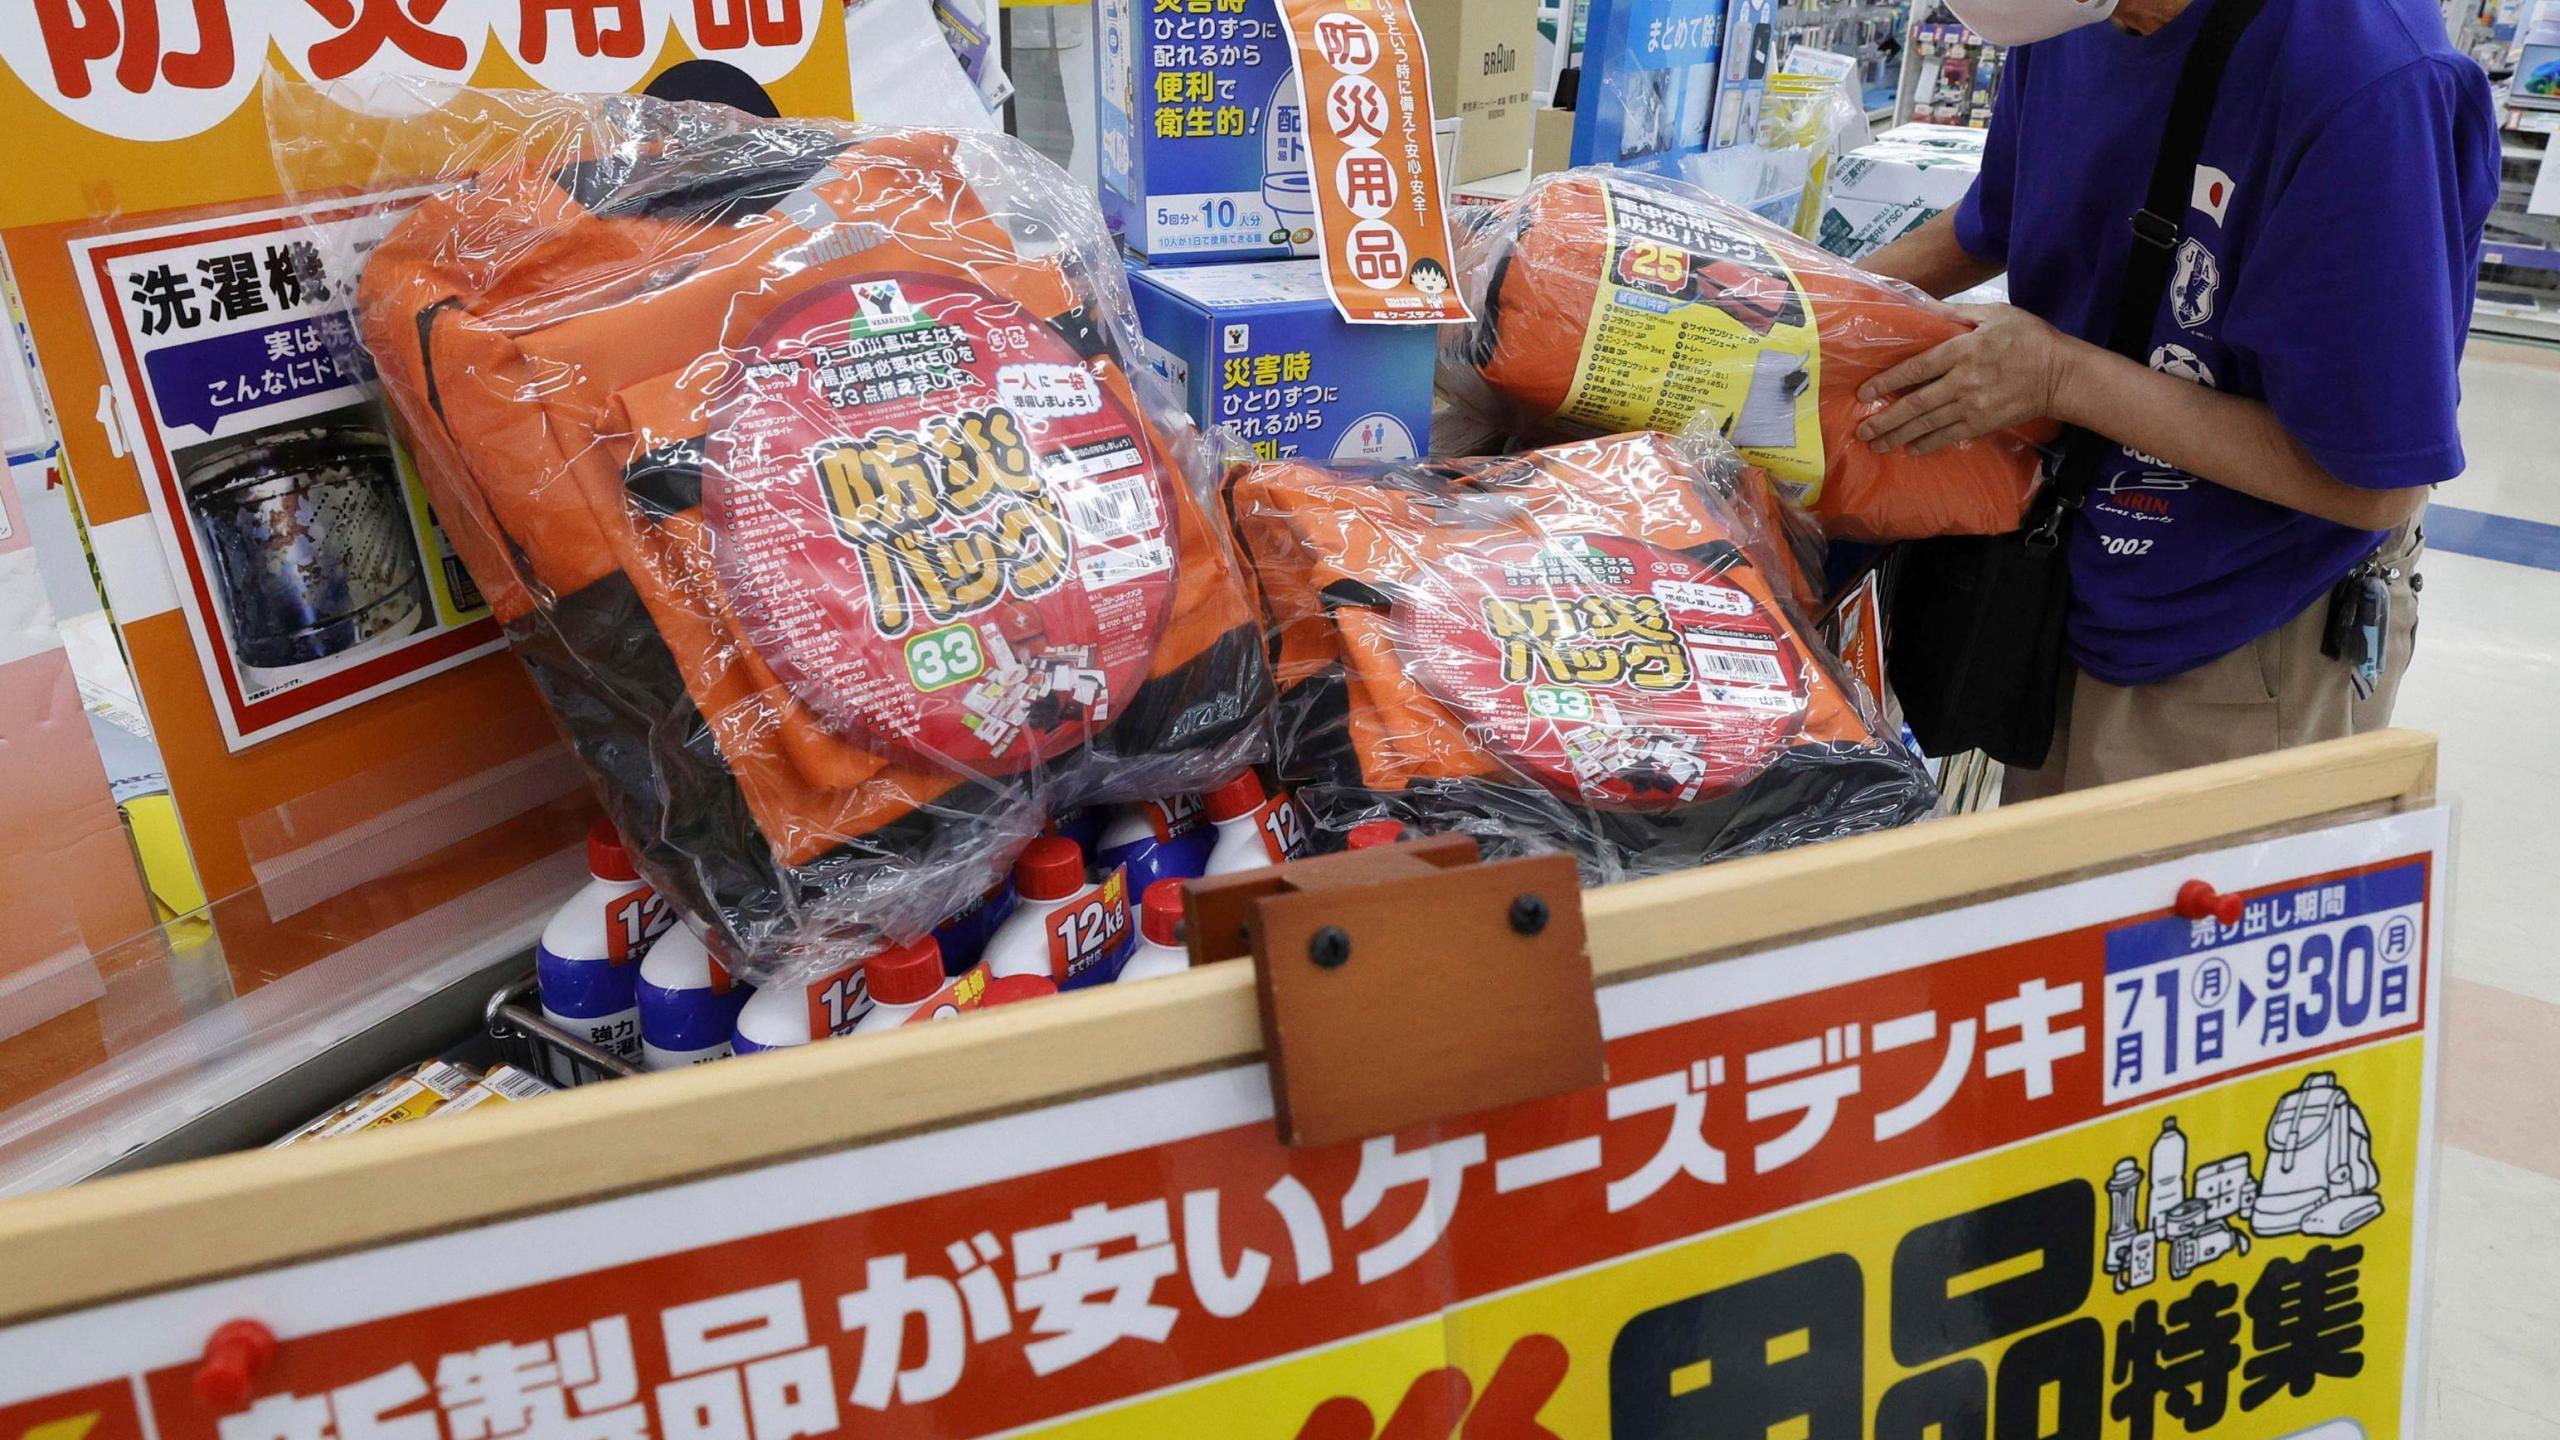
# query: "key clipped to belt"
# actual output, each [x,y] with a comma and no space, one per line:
[2359,624]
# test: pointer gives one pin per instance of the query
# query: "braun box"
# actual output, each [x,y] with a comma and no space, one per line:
[1481,76]
[1259,349]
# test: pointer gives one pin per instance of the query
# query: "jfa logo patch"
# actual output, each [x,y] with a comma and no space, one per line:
[2195,285]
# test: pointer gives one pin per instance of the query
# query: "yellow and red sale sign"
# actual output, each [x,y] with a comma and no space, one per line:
[2062,1164]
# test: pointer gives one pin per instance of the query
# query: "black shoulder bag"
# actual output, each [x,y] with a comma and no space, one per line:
[1973,632]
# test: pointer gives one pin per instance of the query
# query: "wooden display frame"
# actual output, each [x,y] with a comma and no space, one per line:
[139,1234]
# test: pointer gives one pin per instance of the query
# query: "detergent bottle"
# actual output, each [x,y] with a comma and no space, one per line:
[588,960]
[902,981]
[1083,825]
[1253,830]
[782,1016]
[1160,949]
[1155,840]
[963,937]
[1373,834]
[776,1018]
[689,1003]
[1049,874]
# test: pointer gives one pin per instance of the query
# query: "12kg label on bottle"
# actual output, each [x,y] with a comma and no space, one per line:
[1090,935]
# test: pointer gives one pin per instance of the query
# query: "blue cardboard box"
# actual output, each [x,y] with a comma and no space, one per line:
[1203,138]
[1257,347]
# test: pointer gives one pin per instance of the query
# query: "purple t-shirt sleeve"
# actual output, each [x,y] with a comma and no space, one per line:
[1982,217]
[2357,292]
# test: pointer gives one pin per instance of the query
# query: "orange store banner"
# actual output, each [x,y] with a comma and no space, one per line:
[1380,221]
[2062,1163]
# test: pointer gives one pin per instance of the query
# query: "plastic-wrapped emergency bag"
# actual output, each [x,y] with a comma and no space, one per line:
[1595,647]
[1607,301]
[804,466]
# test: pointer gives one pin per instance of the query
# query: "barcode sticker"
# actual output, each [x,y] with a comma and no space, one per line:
[1112,510]
[514,1084]
[1102,569]
[1736,665]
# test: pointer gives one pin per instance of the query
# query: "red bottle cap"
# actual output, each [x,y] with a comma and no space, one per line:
[1051,868]
[1240,796]
[1160,913]
[906,974]
[1370,834]
[606,859]
[1006,989]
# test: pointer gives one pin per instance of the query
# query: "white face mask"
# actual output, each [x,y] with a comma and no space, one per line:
[2023,22]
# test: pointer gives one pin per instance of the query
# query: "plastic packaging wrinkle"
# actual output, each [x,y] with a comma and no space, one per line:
[807,468]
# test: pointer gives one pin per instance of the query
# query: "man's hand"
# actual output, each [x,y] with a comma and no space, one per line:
[2009,369]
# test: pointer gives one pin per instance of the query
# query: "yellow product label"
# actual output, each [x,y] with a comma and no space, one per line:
[2107,1282]
[1694,320]
[411,1107]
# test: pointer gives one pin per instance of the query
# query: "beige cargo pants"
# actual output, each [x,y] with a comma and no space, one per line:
[2276,692]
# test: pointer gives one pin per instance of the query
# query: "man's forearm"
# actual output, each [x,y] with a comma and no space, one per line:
[2235,443]
[1930,259]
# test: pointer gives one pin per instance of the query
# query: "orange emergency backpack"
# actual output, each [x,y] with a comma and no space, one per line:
[1607,301]
[824,514]
[1595,646]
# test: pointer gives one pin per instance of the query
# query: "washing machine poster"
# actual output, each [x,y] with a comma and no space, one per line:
[299,541]
[1649,83]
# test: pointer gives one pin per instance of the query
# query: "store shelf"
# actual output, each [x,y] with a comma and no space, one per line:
[2511,323]
[2522,257]
[239,1072]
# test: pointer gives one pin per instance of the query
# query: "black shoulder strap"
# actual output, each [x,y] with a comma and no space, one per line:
[2159,224]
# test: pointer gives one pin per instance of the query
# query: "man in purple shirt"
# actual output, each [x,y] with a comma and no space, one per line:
[2303,372]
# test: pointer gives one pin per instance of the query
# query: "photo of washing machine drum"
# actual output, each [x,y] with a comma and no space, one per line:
[828,521]
[1592,647]
[1609,301]
[308,534]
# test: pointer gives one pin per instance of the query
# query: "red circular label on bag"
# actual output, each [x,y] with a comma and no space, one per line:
[1611,671]
[946,534]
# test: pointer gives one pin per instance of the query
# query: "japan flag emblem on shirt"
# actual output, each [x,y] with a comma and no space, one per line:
[2213,192]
